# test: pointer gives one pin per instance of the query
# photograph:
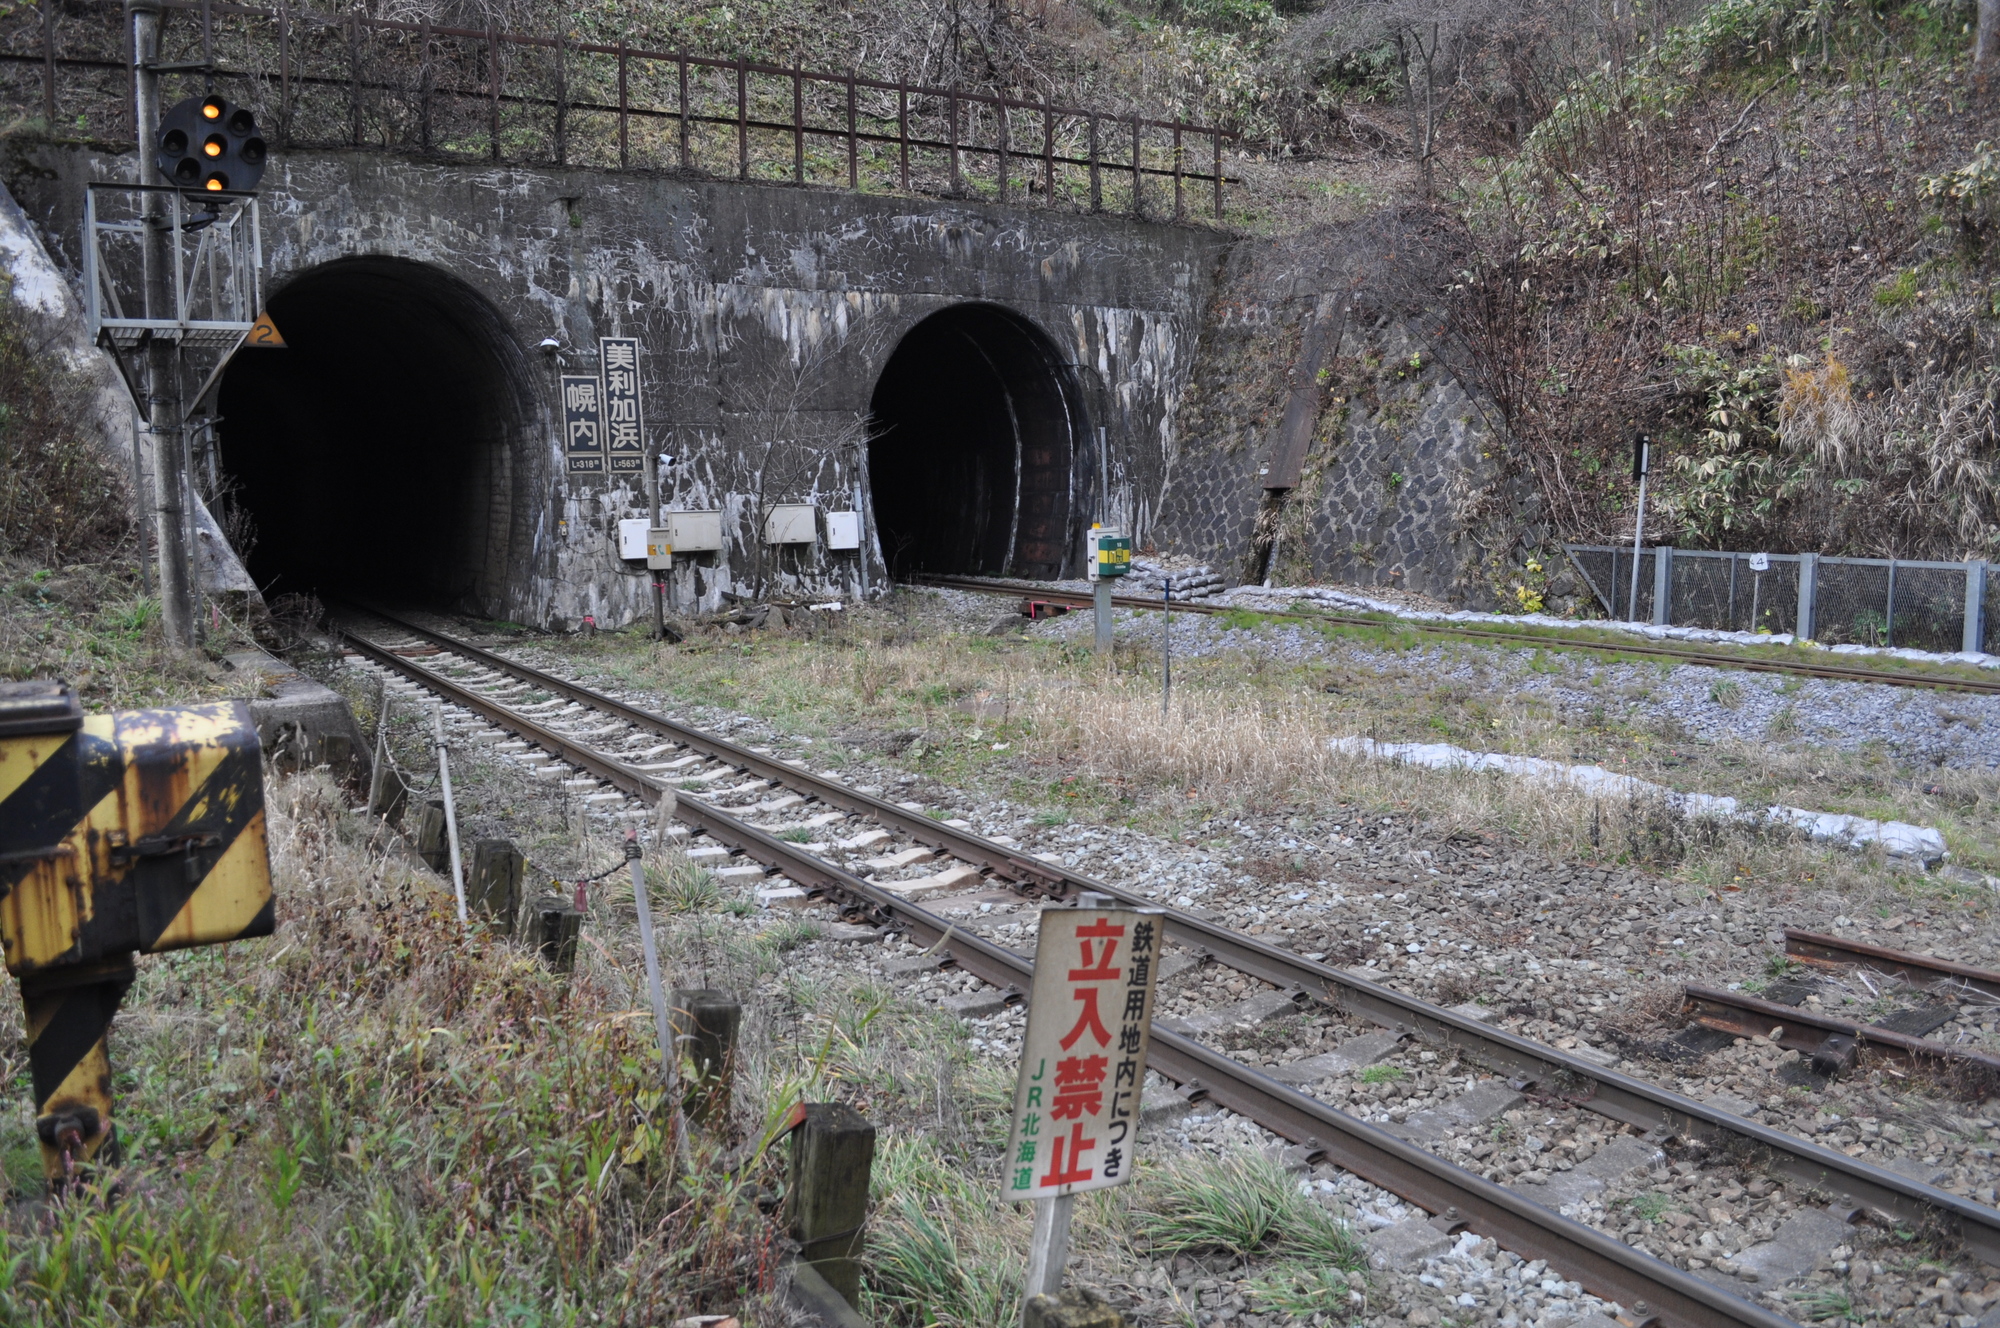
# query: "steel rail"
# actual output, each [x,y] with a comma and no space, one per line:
[1651,1290]
[1618,1096]
[1918,970]
[1836,1040]
[1830,672]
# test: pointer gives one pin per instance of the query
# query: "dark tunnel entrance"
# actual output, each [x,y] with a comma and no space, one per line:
[374,454]
[975,426]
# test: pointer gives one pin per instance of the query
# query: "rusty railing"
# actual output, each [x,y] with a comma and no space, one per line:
[322,80]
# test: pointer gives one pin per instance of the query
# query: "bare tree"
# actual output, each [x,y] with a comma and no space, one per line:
[1985,52]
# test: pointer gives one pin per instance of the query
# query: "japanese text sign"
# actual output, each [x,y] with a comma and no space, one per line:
[624,440]
[583,423]
[1083,1061]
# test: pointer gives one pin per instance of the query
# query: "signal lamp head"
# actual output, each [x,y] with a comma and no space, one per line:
[210,144]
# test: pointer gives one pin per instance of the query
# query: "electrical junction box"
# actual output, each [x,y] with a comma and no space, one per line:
[1107,552]
[632,536]
[792,523]
[694,532]
[843,530]
[659,548]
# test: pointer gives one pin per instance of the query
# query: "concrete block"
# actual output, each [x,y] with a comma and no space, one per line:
[1354,1054]
[1735,1106]
[1592,1176]
[1259,1009]
[1793,1249]
[905,968]
[784,896]
[867,839]
[708,853]
[896,861]
[981,1004]
[779,803]
[843,933]
[1477,1105]
[1173,965]
[1161,1106]
[752,872]
[952,878]
[1595,1055]
[1404,1246]
[1475,1011]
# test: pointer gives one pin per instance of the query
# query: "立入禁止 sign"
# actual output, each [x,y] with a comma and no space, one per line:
[1083,1061]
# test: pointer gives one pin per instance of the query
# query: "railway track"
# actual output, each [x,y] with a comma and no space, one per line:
[1497,636]
[659,756]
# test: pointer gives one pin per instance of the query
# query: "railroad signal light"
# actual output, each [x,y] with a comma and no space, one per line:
[210,143]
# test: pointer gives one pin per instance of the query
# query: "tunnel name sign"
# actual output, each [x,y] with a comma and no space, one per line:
[1083,1060]
[583,423]
[624,431]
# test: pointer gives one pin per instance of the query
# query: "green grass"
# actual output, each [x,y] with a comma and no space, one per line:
[1652,1207]
[1241,1204]
[1381,1074]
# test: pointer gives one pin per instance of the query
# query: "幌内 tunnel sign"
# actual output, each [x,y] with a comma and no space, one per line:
[624,434]
[1083,1061]
[583,423]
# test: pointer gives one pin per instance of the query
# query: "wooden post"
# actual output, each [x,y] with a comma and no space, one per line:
[381,748]
[833,1152]
[742,118]
[1215,138]
[705,1023]
[556,926]
[495,889]
[625,109]
[430,836]
[798,128]
[391,796]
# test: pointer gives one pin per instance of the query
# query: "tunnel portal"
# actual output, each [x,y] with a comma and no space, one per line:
[974,429]
[374,455]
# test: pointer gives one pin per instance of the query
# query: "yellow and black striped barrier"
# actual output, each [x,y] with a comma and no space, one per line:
[119,834]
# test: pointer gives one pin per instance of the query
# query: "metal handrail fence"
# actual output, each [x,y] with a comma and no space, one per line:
[351,80]
[1889,602]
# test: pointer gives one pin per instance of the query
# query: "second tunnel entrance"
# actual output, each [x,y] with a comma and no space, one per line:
[975,425]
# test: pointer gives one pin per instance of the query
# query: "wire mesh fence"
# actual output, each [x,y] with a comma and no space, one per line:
[1932,606]
[346,79]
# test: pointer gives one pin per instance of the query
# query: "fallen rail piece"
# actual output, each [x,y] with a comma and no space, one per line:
[1917,970]
[1835,1044]
[1499,636]
[1899,839]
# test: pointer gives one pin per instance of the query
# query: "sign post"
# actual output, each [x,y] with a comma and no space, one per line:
[624,428]
[1107,553]
[1083,1067]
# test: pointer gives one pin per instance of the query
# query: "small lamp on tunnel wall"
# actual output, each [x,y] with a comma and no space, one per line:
[210,144]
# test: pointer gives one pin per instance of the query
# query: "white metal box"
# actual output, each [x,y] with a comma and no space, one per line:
[792,523]
[695,532]
[843,530]
[659,548]
[632,536]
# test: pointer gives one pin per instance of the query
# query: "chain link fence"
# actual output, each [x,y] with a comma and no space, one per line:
[1941,607]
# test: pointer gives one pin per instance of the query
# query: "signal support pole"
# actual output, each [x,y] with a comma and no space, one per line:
[163,387]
